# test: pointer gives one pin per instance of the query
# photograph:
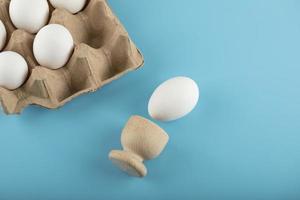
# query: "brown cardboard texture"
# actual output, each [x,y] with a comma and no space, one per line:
[103,52]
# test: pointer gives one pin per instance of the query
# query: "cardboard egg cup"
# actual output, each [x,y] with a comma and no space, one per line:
[103,52]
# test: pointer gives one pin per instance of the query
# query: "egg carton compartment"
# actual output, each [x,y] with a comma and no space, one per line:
[103,52]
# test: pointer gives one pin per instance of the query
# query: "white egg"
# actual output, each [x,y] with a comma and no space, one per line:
[53,46]
[2,35]
[173,99]
[73,6]
[13,70]
[29,15]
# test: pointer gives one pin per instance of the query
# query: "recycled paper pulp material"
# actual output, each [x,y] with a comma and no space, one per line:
[103,52]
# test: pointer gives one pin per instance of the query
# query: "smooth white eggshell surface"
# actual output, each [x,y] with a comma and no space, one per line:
[13,70]
[53,46]
[72,6]
[2,35]
[29,15]
[173,99]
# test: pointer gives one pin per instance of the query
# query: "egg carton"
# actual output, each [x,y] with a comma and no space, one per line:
[103,52]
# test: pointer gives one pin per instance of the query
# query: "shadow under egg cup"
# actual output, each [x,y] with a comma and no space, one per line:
[141,140]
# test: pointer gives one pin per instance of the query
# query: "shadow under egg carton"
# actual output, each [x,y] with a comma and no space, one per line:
[103,52]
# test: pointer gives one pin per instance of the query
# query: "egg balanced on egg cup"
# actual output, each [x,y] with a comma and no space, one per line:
[141,140]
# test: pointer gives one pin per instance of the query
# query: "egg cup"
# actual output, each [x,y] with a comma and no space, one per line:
[141,140]
[103,52]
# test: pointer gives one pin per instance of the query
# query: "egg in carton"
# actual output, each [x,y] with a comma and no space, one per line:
[103,52]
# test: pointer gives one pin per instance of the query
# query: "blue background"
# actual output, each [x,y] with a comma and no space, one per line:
[241,142]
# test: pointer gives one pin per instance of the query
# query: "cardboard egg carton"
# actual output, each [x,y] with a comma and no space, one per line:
[103,52]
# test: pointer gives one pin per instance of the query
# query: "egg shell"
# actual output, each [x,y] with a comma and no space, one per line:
[29,15]
[72,6]
[13,70]
[2,35]
[53,46]
[173,99]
